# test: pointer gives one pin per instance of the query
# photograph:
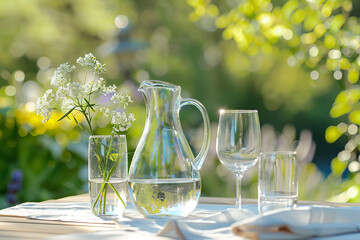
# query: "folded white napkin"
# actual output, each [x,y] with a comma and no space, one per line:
[217,226]
[301,223]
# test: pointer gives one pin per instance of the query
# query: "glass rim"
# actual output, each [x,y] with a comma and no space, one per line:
[222,111]
[107,136]
[282,152]
[158,84]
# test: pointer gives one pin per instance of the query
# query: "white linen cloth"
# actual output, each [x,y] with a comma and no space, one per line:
[315,222]
[207,222]
[64,212]
[132,223]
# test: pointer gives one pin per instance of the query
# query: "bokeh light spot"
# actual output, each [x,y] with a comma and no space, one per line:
[313,51]
[142,75]
[334,54]
[121,21]
[352,192]
[314,75]
[342,127]
[288,34]
[19,76]
[30,106]
[354,166]
[352,129]
[10,91]
[43,63]
[338,75]
[344,155]
[17,49]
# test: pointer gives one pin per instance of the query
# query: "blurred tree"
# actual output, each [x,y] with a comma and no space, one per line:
[322,37]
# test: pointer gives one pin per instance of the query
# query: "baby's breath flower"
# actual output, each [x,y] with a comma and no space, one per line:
[121,122]
[75,90]
[100,68]
[43,107]
[71,90]
[88,88]
[106,111]
[90,62]
[108,90]
[61,75]
[67,104]
[101,82]
[121,98]
[79,98]
[93,86]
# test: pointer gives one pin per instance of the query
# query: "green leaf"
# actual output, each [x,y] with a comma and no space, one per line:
[105,146]
[337,22]
[332,134]
[89,105]
[66,114]
[75,120]
[338,167]
[114,156]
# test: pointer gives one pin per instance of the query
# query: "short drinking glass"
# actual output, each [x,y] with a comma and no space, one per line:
[238,143]
[278,186]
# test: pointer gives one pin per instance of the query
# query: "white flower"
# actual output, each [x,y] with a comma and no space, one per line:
[71,90]
[75,90]
[108,90]
[122,99]
[106,111]
[121,122]
[93,86]
[71,95]
[100,68]
[43,107]
[88,88]
[61,75]
[90,62]
[67,104]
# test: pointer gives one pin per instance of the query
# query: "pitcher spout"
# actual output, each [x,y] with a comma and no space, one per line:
[157,84]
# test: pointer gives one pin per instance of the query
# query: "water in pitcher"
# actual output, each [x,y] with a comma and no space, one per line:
[165,197]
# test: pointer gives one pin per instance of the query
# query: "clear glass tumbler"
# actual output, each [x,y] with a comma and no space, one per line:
[278,183]
[107,166]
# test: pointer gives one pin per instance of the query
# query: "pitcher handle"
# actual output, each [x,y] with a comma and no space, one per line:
[199,160]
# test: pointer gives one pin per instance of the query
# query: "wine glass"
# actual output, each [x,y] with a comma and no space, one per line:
[238,143]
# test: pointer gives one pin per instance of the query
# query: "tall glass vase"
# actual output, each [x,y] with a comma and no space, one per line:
[107,166]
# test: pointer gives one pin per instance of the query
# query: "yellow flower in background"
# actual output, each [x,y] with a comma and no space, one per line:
[31,123]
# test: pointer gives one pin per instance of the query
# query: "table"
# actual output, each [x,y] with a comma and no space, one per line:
[23,228]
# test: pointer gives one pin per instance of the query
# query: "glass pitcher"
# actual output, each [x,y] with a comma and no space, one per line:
[164,177]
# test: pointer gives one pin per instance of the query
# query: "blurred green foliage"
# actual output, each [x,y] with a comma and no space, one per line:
[322,37]
[280,57]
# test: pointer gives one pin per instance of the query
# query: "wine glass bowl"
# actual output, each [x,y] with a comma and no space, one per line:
[238,143]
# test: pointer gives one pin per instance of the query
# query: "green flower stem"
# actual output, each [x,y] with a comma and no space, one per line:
[98,196]
[107,156]
[117,194]
[104,198]
[87,119]
[101,200]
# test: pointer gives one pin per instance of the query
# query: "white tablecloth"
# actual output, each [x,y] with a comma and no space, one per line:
[207,222]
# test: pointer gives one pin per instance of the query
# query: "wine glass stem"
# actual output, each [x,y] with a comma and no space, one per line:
[238,177]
